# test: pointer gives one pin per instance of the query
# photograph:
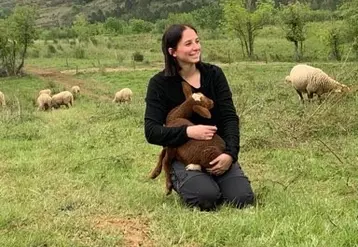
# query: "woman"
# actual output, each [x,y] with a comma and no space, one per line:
[225,181]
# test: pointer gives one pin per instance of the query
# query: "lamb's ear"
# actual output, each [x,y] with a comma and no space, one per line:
[186,89]
[202,111]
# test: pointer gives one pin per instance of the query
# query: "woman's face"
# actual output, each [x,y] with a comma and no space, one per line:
[188,48]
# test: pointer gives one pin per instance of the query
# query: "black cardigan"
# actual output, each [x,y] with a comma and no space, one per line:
[165,92]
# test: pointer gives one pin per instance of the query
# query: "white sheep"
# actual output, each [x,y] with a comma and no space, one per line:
[75,90]
[124,95]
[311,80]
[62,98]
[45,91]
[2,99]
[44,102]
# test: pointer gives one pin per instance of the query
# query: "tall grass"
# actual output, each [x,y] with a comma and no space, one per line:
[78,177]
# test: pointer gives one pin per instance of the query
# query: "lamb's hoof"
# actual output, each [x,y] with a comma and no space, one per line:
[193,167]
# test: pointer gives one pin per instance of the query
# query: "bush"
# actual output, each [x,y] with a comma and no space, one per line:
[138,57]
[94,41]
[35,53]
[51,49]
[79,53]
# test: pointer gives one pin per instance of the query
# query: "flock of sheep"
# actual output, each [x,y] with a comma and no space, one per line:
[46,101]
[305,79]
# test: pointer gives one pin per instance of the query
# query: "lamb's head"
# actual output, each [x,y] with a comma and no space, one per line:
[54,104]
[202,105]
[341,88]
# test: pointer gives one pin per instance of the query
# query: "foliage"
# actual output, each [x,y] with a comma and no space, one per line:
[244,19]
[138,57]
[17,33]
[349,12]
[82,28]
[115,26]
[334,39]
[294,18]
[140,26]
[208,17]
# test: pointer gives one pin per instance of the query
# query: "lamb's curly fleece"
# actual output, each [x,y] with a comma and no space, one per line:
[310,80]
[124,95]
[44,102]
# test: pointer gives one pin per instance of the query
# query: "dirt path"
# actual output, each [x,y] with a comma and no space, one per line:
[107,70]
[66,80]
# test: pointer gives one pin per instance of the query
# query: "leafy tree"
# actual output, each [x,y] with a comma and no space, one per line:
[349,12]
[140,26]
[17,33]
[245,19]
[82,27]
[294,18]
[186,18]
[115,25]
[334,39]
[209,17]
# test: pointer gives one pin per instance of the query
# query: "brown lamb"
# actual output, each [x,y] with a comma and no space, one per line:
[194,154]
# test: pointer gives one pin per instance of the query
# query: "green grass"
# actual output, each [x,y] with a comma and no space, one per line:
[68,176]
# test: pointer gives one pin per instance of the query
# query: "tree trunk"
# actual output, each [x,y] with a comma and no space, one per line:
[250,40]
[22,58]
[297,56]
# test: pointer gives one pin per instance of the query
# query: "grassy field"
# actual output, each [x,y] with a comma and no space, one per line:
[78,177]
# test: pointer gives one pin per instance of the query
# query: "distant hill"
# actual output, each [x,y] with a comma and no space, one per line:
[62,12]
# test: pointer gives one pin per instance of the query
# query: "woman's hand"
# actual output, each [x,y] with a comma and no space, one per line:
[201,132]
[220,164]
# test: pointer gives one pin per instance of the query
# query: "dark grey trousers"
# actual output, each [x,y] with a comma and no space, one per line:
[206,191]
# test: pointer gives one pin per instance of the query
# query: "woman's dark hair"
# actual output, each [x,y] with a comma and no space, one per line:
[170,39]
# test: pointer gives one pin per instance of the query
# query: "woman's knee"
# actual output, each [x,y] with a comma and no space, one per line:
[202,192]
[241,200]
[205,199]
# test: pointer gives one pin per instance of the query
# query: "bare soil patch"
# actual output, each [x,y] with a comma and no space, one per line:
[135,229]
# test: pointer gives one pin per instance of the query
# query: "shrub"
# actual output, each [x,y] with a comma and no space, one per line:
[79,53]
[51,49]
[138,57]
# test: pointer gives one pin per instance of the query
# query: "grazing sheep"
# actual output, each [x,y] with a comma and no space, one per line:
[75,90]
[44,102]
[2,99]
[124,95]
[194,154]
[62,98]
[311,80]
[46,91]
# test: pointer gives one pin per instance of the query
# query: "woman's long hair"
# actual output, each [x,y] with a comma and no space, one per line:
[170,39]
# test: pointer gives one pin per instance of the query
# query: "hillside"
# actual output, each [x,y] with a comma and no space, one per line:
[62,12]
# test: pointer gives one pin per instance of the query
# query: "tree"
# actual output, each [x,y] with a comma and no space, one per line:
[349,12]
[294,17]
[17,33]
[209,17]
[334,39]
[114,25]
[82,27]
[245,19]
[140,26]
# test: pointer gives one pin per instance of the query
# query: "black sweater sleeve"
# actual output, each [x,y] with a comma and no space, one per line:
[154,119]
[228,124]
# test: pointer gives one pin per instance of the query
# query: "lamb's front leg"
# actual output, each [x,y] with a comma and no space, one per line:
[193,167]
